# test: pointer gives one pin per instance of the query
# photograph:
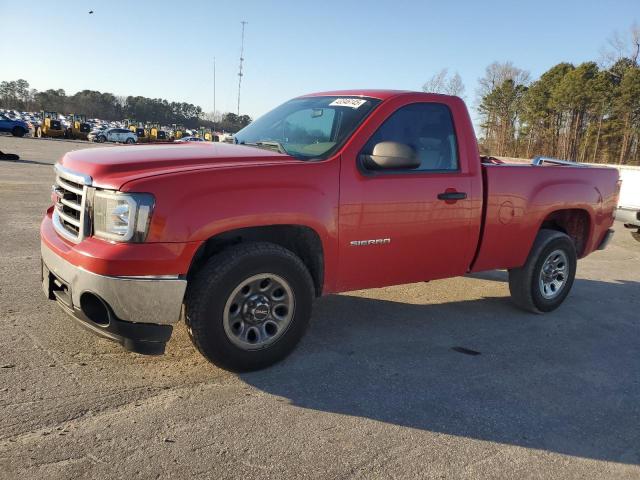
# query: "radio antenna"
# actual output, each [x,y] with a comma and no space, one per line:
[241,60]
[214,94]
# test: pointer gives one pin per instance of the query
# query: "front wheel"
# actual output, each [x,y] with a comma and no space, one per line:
[101,139]
[249,306]
[130,140]
[542,284]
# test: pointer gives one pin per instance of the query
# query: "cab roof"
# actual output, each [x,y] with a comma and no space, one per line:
[371,93]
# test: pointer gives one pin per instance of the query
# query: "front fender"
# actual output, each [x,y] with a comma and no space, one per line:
[196,205]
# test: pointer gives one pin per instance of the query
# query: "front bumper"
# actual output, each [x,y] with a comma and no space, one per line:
[134,311]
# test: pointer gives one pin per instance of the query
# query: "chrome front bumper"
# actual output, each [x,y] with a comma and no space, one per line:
[155,300]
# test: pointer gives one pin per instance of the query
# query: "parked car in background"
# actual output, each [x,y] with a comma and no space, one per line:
[118,135]
[629,203]
[17,128]
[189,139]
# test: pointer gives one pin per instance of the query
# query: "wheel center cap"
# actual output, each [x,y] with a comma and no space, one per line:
[261,312]
[257,308]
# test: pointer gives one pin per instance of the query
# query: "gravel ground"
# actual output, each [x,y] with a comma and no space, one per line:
[374,390]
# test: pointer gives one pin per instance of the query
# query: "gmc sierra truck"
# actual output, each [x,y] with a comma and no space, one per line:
[329,192]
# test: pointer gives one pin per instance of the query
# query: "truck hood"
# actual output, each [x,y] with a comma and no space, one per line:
[112,167]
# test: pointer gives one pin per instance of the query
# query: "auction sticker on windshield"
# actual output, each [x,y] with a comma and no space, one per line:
[348,102]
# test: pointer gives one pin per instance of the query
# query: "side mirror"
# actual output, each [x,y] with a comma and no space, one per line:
[391,155]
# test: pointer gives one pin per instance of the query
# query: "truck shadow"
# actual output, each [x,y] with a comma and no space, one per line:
[566,382]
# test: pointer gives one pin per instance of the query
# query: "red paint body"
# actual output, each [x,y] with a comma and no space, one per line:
[203,190]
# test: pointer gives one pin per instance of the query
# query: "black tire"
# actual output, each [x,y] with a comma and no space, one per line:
[18,132]
[101,139]
[130,141]
[214,284]
[525,285]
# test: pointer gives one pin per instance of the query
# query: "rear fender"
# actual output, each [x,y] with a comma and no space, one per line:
[517,210]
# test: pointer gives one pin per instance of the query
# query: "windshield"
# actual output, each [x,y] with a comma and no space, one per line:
[305,128]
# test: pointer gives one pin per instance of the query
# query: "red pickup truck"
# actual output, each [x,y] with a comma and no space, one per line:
[327,193]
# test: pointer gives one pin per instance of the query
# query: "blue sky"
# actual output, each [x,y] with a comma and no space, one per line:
[166,49]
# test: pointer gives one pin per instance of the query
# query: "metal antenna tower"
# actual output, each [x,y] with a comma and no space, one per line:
[241,60]
[214,94]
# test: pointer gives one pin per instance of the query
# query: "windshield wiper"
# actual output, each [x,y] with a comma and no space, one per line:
[269,145]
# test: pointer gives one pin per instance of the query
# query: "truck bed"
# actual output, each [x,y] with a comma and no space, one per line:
[520,198]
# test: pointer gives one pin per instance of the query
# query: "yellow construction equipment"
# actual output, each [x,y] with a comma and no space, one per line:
[50,125]
[142,133]
[178,132]
[156,134]
[130,125]
[206,134]
[79,128]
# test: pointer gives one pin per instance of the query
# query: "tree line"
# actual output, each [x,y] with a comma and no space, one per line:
[588,112]
[17,95]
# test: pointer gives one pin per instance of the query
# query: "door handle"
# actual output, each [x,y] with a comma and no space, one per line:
[452,196]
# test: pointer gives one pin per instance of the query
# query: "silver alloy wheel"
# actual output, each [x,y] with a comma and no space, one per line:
[258,311]
[554,274]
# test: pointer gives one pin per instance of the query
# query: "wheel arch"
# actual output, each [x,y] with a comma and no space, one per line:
[575,222]
[302,240]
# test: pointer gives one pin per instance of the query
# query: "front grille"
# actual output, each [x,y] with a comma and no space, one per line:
[70,192]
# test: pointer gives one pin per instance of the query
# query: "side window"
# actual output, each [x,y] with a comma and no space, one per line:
[425,127]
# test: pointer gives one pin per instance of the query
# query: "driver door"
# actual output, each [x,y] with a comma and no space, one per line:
[406,225]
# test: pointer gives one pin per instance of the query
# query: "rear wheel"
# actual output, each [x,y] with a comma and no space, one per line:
[18,132]
[39,132]
[249,306]
[542,284]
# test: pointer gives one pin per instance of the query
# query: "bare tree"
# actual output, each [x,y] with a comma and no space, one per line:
[497,73]
[121,100]
[442,82]
[635,42]
[456,87]
[621,46]
[215,117]
[500,97]
[436,84]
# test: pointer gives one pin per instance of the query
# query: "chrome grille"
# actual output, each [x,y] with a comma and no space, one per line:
[70,194]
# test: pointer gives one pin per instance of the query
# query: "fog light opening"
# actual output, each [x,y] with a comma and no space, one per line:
[94,308]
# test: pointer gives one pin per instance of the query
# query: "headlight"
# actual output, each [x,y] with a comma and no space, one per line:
[121,217]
